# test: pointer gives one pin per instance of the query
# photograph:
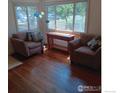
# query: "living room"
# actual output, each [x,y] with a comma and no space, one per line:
[61,46]
[54,46]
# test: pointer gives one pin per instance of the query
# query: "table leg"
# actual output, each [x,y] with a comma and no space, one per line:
[52,42]
[68,46]
[48,42]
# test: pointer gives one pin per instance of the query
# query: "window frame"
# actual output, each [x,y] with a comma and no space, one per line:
[26,6]
[68,2]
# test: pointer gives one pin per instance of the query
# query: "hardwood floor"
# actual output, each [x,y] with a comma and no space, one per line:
[50,73]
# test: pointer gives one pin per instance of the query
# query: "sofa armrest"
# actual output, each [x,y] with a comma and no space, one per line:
[97,55]
[74,44]
[98,51]
[20,46]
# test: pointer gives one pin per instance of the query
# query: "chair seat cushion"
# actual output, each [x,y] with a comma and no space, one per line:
[84,50]
[32,45]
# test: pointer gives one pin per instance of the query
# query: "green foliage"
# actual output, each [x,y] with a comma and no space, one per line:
[51,9]
[64,10]
[81,8]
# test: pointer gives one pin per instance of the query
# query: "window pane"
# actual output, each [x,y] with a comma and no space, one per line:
[21,19]
[33,23]
[51,17]
[64,17]
[80,15]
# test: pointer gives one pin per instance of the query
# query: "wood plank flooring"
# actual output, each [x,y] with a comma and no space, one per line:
[50,73]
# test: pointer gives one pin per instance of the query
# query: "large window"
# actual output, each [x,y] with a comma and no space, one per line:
[26,21]
[68,17]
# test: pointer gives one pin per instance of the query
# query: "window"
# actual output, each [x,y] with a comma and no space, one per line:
[64,17]
[67,17]
[26,21]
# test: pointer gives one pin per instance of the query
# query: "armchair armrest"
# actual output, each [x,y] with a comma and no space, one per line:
[74,44]
[98,52]
[97,56]
[20,46]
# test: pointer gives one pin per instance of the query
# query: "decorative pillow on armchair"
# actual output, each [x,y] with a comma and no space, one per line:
[37,36]
[29,36]
[94,43]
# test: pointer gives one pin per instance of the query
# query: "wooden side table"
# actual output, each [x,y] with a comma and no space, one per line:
[56,35]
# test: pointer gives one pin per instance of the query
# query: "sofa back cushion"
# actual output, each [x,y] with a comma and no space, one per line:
[29,36]
[85,38]
[20,35]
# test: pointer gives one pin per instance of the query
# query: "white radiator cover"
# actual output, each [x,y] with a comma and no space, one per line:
[60,42]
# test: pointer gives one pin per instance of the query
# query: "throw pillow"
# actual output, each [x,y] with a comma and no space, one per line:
[37,36]
[29,36]
[94,43]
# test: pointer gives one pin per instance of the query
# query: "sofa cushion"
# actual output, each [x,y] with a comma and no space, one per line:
[32,45]
[84,50]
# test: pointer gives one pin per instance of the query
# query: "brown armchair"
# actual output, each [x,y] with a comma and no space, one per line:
[80,53]
[24,47]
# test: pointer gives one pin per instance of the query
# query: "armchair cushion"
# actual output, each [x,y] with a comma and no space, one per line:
[20,35]
[32,45]
[85,50]
[34,36]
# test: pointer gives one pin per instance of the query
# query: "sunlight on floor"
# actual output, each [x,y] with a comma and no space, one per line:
[68,58]
[12,62]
